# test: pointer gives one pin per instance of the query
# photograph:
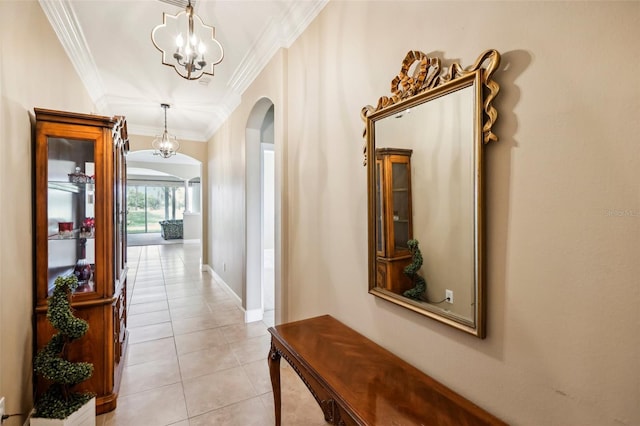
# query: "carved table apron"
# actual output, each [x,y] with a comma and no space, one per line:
[357,382]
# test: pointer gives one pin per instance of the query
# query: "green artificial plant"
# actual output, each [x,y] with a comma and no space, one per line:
[58,401]
[411,270]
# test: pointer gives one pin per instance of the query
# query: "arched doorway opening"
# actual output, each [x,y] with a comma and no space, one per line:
[261,214]
[162,189]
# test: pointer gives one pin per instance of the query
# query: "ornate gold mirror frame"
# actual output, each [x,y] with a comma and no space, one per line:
[424,155]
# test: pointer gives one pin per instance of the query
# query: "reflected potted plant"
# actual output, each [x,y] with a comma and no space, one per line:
[417,292]
[59,405]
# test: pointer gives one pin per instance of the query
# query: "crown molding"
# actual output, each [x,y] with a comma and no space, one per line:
[182,135]
[222,113]
[219,115]
[256,58]
[300,13]
[65,24]
[276,34]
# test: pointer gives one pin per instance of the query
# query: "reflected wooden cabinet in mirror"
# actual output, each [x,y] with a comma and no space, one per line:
[393,218]
[425,188]
[79,219]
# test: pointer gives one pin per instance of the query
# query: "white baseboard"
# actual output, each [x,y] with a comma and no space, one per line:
[218,278]
[253,315]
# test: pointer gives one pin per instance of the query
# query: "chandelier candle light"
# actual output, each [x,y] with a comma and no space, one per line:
[165,145]
[191,39]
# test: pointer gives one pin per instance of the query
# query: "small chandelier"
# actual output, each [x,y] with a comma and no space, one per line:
[191,39]
[165,145]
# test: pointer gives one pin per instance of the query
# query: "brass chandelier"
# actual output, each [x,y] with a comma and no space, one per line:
[187,44]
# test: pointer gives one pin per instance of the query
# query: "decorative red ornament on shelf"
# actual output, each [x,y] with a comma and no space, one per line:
[65,229]
[88,227]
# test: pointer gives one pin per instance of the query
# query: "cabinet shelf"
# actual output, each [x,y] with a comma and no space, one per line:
[75,188]
[67,271]
[76,236]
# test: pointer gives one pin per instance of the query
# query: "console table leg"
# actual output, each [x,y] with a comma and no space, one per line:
[274,372]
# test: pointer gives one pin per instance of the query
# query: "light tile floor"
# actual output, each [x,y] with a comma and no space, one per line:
[191,358]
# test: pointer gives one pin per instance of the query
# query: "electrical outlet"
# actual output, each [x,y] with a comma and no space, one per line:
[224,266]
[449,295]
[1,407]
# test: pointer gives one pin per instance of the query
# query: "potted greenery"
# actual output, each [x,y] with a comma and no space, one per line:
[59,405]
[411,271]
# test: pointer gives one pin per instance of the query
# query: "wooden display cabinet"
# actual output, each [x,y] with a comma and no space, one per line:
[79,228]
[394,222]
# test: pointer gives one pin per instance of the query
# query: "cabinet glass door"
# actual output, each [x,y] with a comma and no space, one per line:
[380,244]
[400,202]
[119,213]
[71,211]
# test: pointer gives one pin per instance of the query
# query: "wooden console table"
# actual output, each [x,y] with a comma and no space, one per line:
[357,382]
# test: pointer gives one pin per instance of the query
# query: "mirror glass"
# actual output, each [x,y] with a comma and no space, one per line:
[424,157]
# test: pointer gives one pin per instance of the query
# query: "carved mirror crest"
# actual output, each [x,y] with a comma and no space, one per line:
[424,159]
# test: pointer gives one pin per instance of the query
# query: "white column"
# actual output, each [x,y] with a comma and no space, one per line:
[187,199]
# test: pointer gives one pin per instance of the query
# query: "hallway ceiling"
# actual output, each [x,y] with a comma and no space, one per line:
[109,44]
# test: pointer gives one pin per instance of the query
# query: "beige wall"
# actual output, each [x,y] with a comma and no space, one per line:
[562,194]
[563,206]
[34,72]
[227,172]
[198,151]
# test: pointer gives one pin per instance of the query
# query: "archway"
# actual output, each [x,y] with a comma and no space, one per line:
[173,184]
[261,215]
